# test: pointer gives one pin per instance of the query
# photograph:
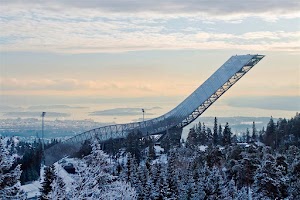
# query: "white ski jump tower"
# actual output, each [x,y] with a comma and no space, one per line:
[185,113]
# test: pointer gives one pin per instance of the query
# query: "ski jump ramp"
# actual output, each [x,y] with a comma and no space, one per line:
[182,115]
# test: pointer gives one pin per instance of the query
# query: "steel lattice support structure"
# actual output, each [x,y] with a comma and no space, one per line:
[185,113]
[237,76]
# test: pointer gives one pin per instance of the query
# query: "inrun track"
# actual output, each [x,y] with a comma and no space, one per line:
[182,115]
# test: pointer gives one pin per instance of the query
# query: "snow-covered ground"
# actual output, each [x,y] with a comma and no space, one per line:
[32,190]
[158,150]
[62,173]
[202,147]
[163,158]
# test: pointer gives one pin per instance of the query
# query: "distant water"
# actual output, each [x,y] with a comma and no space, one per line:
[64,117]
[130,111]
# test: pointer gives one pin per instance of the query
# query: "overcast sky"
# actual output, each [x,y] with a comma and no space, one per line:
[82,50]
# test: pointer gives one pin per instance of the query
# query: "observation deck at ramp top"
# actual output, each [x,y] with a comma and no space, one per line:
[185,113]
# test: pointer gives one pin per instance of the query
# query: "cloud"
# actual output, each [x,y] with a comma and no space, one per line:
[61,85]
[95,100]
[288,103]
[216,7]
[51,107]
[38,84]
[120,112]
[156,108]
[118,26]
[118,41]
[4,108]
[35,114]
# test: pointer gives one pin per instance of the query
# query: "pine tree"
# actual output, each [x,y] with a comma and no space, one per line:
[97,159]
[202,181]
[58,191]
[156,173]
[93,180]
[270,138]
[118,190]
[294,187]
[172,190]
[30,161]
[141,183]
[151,153]
[49,176]
[214,184]
[282,130]
[9,176]
[128,173]
[199,133]
[261,135]
[295,128]
[247,136]
[84,150]
[133,145]
[191,189]
[254,136]
[270,180]
[242,194]
[227,135]
[292,154]
[90,176]
[209,136]
[204,133]
[149,189]
[234,139]
[220,135]
[247,171]
[191,140]
[229,192]
[215,134]
[213,157]
[183,189]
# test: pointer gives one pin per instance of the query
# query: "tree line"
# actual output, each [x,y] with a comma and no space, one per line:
[277,135]
[268,167]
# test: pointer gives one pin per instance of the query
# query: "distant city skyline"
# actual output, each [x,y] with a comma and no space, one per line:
[135,52]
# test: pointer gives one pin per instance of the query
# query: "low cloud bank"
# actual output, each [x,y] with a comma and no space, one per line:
[288,103]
